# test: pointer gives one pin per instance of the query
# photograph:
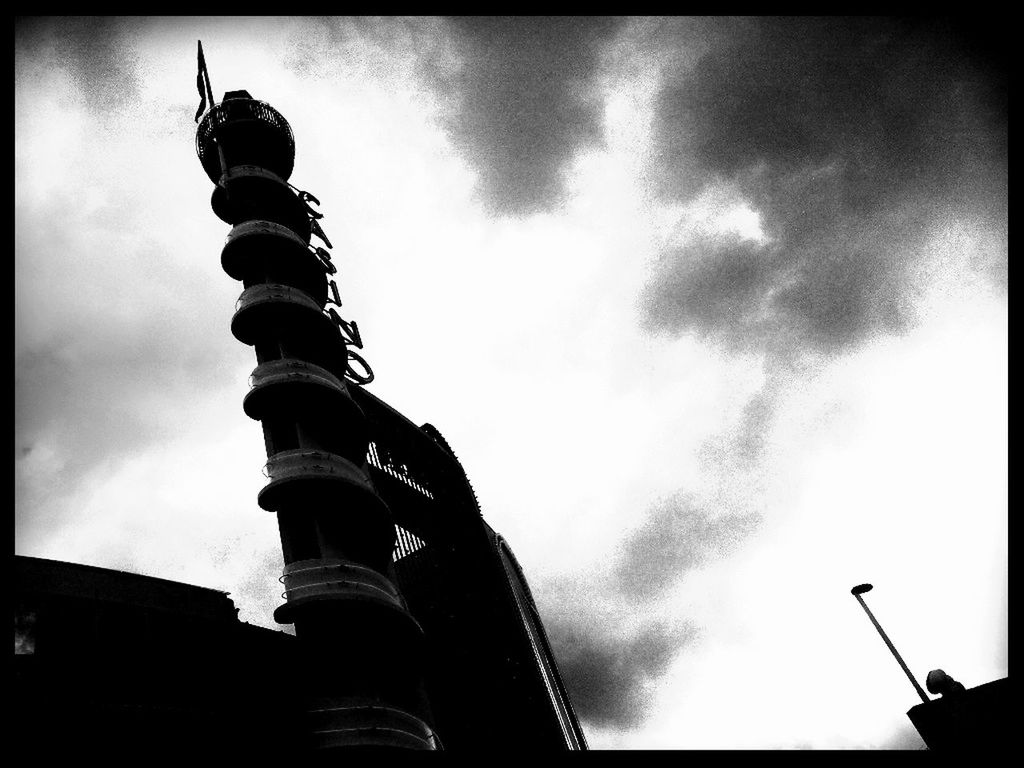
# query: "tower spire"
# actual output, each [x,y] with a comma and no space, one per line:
[203,84]
[358,680]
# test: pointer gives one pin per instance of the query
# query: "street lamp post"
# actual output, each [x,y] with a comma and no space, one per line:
[859,590]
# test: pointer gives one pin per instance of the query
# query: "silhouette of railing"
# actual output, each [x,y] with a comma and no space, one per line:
[242,111]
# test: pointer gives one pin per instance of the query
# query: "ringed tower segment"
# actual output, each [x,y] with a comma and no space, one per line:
[360,678]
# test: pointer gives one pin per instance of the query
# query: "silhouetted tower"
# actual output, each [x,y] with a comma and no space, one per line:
[361,679]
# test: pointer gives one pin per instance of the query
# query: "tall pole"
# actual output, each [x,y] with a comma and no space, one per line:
[358,677]
[857,592]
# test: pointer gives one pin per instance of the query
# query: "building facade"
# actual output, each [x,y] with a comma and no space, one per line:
[414,627]
[119,663]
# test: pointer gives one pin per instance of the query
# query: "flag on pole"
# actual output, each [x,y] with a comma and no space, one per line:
[203,84]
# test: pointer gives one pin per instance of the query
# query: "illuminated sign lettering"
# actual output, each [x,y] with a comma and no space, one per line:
[357,370]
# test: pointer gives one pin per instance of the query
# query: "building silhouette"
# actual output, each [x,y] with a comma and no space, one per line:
[969,720]
[134,661]
[414,625]
[113,665]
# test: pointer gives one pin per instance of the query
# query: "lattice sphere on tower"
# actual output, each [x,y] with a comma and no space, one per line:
[251,132]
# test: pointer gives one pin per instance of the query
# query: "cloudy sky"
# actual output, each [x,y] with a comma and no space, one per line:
[714,312]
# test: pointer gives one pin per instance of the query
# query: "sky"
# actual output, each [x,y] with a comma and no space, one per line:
[713,311]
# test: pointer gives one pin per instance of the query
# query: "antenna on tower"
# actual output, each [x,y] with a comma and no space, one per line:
[206,96]
[203,84]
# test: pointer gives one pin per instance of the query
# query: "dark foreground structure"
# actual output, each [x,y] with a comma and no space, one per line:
[971,720]
[110,664]
[414,626]
[122,664]
[968,720]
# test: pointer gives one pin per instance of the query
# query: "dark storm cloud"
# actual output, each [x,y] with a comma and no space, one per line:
[89,389]
[105,357]
[96,51]
[526,107]
[853,139]
[88,405]
[713,287]
[678,536]
[611,672]
[611,681]
[332,43]
[516,95]
[826,293]
[686,531]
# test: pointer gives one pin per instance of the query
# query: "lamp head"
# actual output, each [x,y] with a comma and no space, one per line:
[860,589]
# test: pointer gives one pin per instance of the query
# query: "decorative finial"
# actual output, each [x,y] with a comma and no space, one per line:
[203,84]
